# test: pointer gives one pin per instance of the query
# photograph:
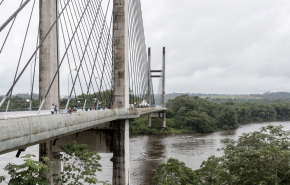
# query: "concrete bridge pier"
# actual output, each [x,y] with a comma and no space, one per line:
[163,89]
[45,150]
[121,172]
[48,64]
[149,84]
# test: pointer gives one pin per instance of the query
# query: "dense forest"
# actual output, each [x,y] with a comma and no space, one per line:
[21,101]
[194,114]
[270,96]
[200,115]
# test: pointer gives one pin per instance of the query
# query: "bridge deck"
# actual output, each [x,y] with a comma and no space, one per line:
[20,130]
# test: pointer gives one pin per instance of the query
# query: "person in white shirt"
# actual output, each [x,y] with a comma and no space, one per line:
[52,109]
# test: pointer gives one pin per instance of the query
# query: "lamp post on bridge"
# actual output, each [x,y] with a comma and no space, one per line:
[32,82]
[78,104]
[26,101]
[68,80]
[95,102]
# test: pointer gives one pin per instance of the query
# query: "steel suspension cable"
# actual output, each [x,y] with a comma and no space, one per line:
[133,27]
[62,62]
[74,59]
[106,53]
[100,39]
[23,44]
[37,40]
[76,47]
[5,97]
[97,47]
[90,46]
[9,30]
[68,58]
[102,53]
[82,58]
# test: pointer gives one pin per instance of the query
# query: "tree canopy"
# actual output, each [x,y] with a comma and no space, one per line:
[256,158]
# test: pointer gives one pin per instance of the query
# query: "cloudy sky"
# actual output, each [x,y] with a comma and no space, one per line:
[227,46]
[240,46]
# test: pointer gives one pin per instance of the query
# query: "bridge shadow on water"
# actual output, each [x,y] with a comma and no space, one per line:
[145,158]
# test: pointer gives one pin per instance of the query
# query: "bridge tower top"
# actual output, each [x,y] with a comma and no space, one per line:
[48,54]
[121,53]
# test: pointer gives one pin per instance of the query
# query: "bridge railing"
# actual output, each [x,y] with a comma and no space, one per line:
[19,114]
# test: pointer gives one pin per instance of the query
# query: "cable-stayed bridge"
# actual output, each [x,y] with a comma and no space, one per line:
[95,51]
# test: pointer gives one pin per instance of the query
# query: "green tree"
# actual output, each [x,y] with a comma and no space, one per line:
[256,158]
[174,172]
[79,165]
[28,172]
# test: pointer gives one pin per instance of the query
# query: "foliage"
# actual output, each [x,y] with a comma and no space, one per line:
[188,114]
[199,115]
[17,102]
[140,126]
[256,158]
[79,165]
[174,173]
[28,172]
[220,98]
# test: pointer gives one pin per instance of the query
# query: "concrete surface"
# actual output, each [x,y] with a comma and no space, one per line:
[100,141]
[18,133]
[48,54]
[121,166]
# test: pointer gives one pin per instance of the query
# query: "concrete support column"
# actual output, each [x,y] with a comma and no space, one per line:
[48,63]
[48,54]
[164,119]
[163,89]
[45,150]
[121,172]
[121,54]
[163,78]
[149,84]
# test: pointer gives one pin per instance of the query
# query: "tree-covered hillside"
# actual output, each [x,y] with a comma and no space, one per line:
[188,114]
[200,115]
[270,96]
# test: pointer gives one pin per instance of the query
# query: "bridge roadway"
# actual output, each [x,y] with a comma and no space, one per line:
[19,130]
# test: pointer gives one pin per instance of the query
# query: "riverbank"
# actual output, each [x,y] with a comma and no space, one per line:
[140,126]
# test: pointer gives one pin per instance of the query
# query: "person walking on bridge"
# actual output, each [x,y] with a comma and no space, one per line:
[75,109]
[55,109]
[52,109]
[69,111]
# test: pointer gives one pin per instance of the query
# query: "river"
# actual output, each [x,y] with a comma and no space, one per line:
[148,151]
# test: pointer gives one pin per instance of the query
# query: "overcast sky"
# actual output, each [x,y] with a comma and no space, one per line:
[240,46]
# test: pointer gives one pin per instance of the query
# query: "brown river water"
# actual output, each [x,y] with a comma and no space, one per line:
[148,151]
